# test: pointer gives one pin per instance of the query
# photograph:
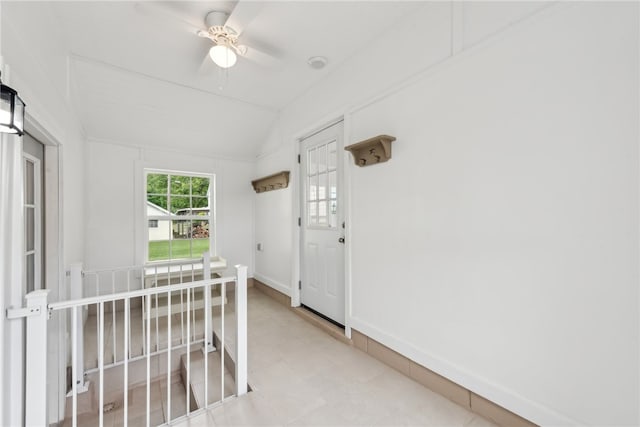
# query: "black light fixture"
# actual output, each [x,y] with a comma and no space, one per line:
[11,111]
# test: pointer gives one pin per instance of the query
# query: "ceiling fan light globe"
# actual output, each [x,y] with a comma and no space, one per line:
[223,56]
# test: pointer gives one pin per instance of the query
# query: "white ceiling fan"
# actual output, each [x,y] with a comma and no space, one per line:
[225,39]
[223,28]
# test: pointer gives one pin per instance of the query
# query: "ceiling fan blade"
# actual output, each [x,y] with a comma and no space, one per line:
[207,67]
[243,14]
[168,15]
[262,58]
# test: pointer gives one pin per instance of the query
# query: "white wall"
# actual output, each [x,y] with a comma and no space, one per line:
[115,203]
[510,205]
[38,70]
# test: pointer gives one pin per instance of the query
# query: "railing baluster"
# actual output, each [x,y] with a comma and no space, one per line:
[188,353]
[182,317]
[127,305]
[101,364]
[148,362]
[223,292]
[168,420]
[97,314]
[113,315]
[74,365]
[207,313]
[157,308]
[142,313]
[241,330]
[206,273]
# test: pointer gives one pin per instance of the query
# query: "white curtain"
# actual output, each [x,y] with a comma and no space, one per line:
[11,294]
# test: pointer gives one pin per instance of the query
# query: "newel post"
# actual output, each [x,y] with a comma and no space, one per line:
[241,330]
[36,358]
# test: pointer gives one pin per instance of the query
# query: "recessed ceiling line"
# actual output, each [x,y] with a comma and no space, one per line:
[85,59]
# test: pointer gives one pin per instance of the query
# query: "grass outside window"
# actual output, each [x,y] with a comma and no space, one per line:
[180,249]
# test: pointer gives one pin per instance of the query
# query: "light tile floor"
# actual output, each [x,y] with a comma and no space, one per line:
[301,377]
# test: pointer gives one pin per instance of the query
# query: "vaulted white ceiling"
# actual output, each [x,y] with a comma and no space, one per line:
[140,75]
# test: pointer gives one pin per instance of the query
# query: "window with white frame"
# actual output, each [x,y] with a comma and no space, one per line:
[180,215]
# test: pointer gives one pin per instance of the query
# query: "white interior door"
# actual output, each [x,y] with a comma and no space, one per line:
[322,223]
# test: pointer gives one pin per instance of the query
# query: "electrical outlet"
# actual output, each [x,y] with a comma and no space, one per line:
[259,247]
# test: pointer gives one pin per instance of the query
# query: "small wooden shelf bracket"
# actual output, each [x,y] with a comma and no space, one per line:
[272,182]
[371,151]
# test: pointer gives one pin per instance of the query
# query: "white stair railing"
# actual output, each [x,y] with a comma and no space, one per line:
[38,311]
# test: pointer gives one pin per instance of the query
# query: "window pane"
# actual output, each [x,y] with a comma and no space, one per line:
[156,183]
[313,188]
[159,238]
[181,239]
[180,185]
[332,155]
[29,184]
[312,212]
[180,205]
[181,229]
[322,213]
[322,158]
[322,186]
[30,229]
[157,205]
[332,185]
[333,210]
[200,202]
[312,163]
[181,195]
[200,186]
[200,234]
[31,272]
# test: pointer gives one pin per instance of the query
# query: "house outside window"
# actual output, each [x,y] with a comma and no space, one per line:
[180,216]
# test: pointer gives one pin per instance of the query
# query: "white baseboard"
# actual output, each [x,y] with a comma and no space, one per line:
[506,398]
[273,284]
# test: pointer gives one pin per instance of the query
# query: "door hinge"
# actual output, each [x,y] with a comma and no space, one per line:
[299,222]
[299,284]
[298,158]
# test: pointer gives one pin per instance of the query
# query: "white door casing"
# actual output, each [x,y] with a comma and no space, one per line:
[322,223]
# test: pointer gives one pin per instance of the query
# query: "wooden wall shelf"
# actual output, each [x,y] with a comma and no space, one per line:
[272,182]
[371,151]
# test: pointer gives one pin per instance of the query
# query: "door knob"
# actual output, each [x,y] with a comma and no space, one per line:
[341,240]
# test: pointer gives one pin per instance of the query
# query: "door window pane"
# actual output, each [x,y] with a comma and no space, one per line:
[30,274]
[333,190]
[313,188]
[322,213]
[312,210]
[322,186]
[332,155]
[312,162]
[29,183]
[30,229]
[322,158]
[333,217]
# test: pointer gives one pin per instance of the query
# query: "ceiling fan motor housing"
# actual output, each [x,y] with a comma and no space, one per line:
[216,18]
